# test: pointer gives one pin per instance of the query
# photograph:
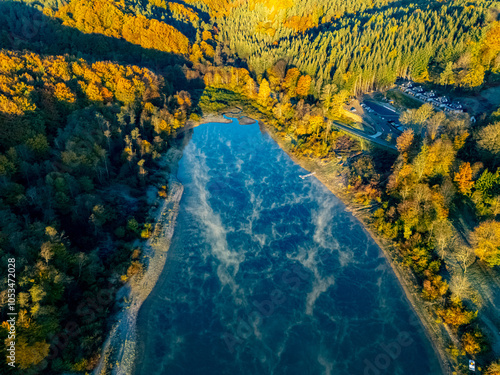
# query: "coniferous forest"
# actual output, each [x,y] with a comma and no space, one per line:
[93,94]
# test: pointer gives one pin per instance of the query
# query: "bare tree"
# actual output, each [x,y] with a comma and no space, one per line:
[46,252]
[460,286]
[488,139]
[465,257]
[82,259]
[444,236]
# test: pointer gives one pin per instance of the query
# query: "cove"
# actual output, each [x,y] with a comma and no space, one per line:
[267,273]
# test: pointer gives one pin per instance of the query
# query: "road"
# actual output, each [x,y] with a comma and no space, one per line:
[378,120]
[363,135]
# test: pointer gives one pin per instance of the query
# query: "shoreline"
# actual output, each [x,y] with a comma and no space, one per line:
[119,350]
[410,292]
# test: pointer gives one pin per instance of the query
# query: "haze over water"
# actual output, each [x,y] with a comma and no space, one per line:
[268,274]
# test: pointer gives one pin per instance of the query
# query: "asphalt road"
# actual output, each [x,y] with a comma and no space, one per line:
[382,127]
[363,135]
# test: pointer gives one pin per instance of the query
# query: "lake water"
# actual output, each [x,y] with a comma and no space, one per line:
[269,274]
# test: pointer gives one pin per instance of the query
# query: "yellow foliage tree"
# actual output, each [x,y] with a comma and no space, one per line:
[217,8]
[301,24]
[316,123]
[491,44]
[63,93]
[456,315]
[493,369]
[474,77]
[250,88]
[264,92]
[207,49]
[109,18]
[463,178]
[29,355]
[183,11]
[206,35]
[290,82]
[486,242]
[196,54]
[471,342]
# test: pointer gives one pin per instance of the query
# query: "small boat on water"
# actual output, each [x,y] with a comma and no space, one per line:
[307,175]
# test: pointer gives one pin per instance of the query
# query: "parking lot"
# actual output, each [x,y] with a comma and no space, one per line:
[440,103]
[385,116]
[380,116]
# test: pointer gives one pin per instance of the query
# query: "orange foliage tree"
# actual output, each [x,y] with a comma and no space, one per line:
[303,85]
[456,315]
[301,24]
[109,18]
[290,82]
[28,107]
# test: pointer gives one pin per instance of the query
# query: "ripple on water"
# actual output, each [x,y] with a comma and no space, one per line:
[268,274]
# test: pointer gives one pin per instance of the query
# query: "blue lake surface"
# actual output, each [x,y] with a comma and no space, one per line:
[268,273]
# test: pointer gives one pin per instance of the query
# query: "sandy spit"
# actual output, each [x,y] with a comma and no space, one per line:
[119,351]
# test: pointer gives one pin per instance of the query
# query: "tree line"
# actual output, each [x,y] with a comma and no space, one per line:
[81,137]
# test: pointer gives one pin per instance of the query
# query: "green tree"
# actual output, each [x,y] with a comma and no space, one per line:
[447,77]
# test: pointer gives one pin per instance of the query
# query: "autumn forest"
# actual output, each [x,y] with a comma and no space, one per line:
[94,93]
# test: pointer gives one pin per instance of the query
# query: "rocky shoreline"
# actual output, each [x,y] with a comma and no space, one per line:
[119,350]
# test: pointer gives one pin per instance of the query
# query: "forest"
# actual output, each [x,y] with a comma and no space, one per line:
[94,92]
